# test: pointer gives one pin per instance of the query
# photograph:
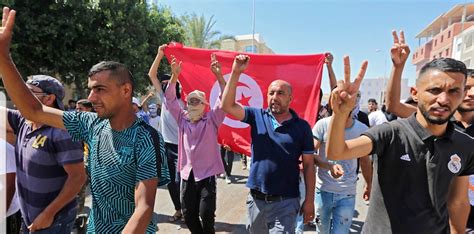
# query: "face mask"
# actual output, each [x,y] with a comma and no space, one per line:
[355,111]
[153,112]
[195,113]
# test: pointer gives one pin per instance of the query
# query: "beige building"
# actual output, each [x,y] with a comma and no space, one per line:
[464,47]
[247,43]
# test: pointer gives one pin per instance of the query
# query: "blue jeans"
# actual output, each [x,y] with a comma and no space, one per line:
[62,224]
[272,217]
[335,212]
[299,219]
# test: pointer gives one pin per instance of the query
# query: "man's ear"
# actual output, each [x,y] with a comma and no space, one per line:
[414,94]
[126,90]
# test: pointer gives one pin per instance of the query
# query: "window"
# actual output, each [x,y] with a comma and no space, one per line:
[251,49]
[436,42]
[447,52]
[440,55]
[467,62]
[468,42]
[421,50]
[442,37]
[449,34]
[459,47]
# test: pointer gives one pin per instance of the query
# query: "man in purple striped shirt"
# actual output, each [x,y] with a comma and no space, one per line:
[199,158]
[50,168]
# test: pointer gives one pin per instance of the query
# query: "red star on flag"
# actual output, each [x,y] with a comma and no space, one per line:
[244,100]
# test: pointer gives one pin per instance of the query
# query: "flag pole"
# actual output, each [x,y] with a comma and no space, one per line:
[253,27]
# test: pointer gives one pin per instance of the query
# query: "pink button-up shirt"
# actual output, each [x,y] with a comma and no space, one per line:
[197,142]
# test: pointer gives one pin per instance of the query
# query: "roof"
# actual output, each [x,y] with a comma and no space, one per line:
[454,13]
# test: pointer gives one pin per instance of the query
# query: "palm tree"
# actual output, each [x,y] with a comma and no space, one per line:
[199,33]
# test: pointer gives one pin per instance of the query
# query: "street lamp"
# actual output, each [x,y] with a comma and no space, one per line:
[382,93]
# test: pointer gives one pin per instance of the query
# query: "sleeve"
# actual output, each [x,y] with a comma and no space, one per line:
[217,114]
[381,137]
[148,158]
[10,158]
[250,113]
[308,144]
[67,151]
[318,130]
[79,124]
[14,119]
[172,102]
[469,169]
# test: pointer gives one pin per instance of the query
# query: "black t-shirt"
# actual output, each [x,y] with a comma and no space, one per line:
[412,174]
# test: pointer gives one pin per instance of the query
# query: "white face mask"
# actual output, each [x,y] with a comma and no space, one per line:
[153,112]
[195,113]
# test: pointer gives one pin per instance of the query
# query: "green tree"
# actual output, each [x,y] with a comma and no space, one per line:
[199,32]
[65,38]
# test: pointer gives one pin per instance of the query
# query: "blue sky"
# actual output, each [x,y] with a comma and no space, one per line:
[360,29]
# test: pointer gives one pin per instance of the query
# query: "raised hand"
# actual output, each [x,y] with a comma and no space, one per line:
[328,58]
[6,31]
[175,66]
[400,50]
[240,63]
[161,50]
[215,66]
[343,97]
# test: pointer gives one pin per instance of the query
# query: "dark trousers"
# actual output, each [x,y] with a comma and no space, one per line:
[14,223]
[227,160]
[173,187]
[198,199]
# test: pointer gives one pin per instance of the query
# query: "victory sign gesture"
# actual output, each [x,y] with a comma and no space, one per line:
[343,97]
[400,50]
[6,31]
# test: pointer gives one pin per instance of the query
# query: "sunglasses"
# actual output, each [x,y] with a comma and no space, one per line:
[194,102]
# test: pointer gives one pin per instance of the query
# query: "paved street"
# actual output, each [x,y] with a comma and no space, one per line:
[231,214]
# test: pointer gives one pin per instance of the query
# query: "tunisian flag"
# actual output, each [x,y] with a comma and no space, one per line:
[303,72]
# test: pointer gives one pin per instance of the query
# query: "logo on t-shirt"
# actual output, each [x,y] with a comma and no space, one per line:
[405,157]
[39,141]
[454,165]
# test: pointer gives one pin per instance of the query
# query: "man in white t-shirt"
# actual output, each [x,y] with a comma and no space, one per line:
[154,119]
[13,219]
[376,116]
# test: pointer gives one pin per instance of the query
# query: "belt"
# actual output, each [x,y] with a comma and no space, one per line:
[265,197]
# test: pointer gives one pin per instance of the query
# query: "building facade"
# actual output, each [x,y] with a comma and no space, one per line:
[247,43]
[443,37]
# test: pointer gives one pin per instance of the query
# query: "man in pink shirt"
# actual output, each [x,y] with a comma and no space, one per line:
[199,158]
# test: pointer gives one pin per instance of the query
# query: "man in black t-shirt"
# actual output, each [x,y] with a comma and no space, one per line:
[417,161]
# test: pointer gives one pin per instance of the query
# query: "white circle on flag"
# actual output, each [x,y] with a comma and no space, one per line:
[248,94]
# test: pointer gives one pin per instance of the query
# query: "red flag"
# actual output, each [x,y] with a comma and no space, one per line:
[303,72]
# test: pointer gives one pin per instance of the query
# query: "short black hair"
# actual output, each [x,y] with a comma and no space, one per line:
[85,102]
[470,72]
[444,65]
[372,100]
[117,70]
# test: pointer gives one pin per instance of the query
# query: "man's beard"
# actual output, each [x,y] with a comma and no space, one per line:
[464,110]
[432,120]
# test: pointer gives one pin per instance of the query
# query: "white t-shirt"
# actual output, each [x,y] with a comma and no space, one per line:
[376,118]
[10,167]
[155,122]
[168,125]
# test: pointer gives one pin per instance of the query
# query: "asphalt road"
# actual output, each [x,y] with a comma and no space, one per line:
[231,215]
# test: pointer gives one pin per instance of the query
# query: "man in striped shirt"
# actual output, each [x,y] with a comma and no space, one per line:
[124,158]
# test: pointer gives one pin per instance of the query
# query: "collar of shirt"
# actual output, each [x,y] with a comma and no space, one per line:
[424,134]
[276,124]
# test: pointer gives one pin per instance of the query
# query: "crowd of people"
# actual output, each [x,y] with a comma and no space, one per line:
[415,156]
